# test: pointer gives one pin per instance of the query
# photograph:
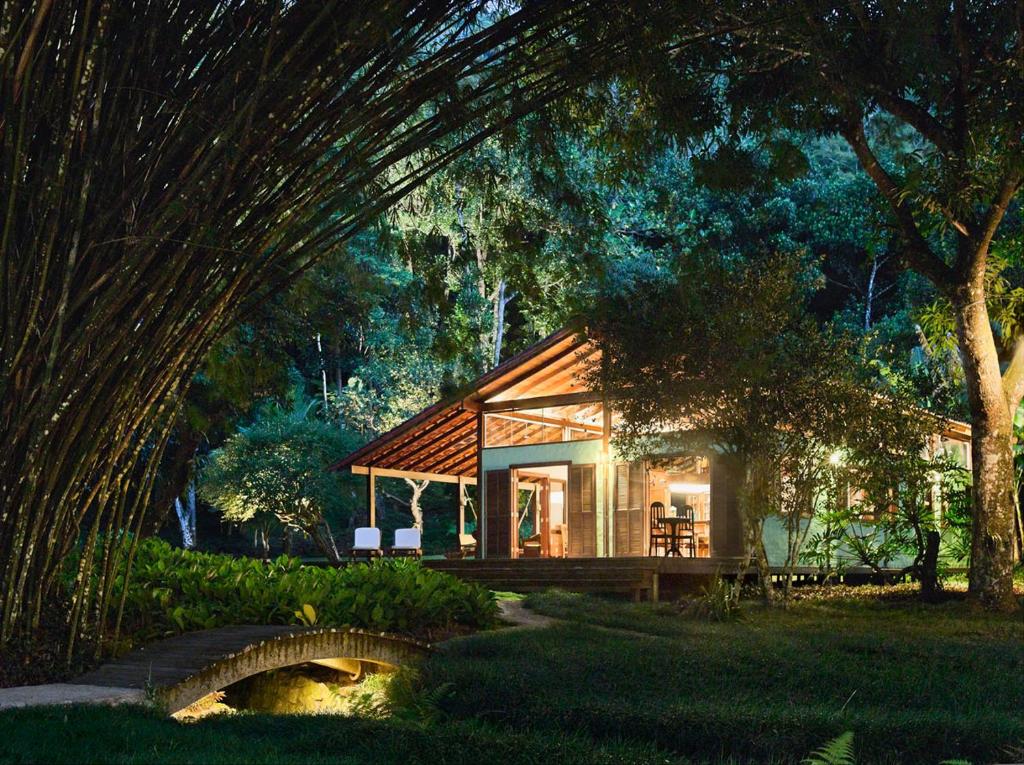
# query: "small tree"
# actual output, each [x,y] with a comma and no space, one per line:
[740,367]
[895,486]
[273,472]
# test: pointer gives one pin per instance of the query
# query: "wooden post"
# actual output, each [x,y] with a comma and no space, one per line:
[371,497]
[481,488]
[608,477]
[462,505]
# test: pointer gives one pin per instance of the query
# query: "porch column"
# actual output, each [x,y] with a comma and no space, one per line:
[371,497]
[462,505]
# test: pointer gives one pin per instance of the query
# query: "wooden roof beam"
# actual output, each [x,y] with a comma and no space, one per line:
[412,448]
[541,402]
[413,475]
[536,363]
[463,441]
[560,367]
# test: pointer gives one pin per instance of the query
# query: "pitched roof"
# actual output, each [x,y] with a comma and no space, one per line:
[443,438]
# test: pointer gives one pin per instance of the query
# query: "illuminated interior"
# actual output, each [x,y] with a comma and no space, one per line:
[683,481]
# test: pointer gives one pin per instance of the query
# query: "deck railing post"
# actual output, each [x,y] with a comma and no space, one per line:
[371,497]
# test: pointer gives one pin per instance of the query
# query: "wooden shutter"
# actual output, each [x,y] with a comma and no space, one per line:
[582,511]
[726,524]
[629,509]
[499,516]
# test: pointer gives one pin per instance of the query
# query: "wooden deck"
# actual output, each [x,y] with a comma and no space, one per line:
[643,578]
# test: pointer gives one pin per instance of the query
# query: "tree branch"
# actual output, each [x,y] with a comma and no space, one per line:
[918,118]
[996,212]
[919,253]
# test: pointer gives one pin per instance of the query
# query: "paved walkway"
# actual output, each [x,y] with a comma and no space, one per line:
[519,616]
[68,693]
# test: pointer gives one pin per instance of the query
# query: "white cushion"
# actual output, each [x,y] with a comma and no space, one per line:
[367,538]
[407,539]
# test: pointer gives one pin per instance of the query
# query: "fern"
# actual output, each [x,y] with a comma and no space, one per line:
[838,751]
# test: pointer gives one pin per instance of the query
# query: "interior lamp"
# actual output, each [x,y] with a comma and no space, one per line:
[690,488]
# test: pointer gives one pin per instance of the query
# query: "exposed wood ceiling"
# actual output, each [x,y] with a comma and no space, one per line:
[443,438]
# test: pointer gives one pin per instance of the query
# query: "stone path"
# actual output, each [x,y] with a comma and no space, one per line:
[519,616]
[68,693]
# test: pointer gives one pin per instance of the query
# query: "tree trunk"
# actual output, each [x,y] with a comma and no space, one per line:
[324,539]
[175,474]
[870,298]
[323,375]
[500,301]
[418,487]
[186,512]
[991,573]
[928,572]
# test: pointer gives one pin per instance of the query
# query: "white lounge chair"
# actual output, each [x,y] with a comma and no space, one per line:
[367,543]
[407,542]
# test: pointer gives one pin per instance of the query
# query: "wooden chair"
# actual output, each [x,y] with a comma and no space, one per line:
[466,548]
[557,543]
[685,532]
[531,547]
[408,544]
[660,537]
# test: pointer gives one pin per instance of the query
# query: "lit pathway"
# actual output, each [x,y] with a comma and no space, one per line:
[68,693]
[519,616]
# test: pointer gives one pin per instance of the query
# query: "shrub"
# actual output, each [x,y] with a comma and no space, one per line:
[718,602]
[172,590]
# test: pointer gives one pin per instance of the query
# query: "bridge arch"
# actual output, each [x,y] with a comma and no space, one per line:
[314,645]
[185,668]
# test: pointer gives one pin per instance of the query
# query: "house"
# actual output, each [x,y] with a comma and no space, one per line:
[538,444]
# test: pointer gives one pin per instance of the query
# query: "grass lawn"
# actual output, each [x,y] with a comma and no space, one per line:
[621,682]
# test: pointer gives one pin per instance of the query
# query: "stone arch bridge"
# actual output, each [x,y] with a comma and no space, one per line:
[181,670]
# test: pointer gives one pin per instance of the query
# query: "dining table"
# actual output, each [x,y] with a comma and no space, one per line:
[675,536]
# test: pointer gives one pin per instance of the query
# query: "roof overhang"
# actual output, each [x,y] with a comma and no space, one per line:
[442,441]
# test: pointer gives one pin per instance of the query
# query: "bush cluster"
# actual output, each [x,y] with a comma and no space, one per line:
[171,590]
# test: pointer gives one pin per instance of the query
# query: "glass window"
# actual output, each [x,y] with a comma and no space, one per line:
[522,427]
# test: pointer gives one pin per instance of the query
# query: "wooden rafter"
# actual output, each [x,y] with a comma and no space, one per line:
[463,440]
[536,377]
[413,438]
[558,422]
[543,402]
[418,445]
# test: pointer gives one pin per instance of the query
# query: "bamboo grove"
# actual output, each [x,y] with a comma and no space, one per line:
[166,166]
